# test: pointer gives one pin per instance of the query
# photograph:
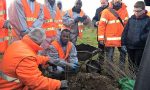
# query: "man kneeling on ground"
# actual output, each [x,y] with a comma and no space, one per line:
[19,67]
[63,55]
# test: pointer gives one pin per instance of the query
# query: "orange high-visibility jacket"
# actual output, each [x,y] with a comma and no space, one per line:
[110,29]
[62,54]
[148,13]
[3,32]
[80,25]
[30,17]
[51,25]
[21,61]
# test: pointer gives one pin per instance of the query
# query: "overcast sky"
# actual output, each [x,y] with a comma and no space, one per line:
[89,6]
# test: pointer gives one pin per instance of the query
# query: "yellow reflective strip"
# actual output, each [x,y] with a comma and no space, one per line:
[81,30]
[30,19]
[58,21]
[4,38]
[80,24]
[49,20]
[111,22]
[60,25]
[104,20]
[126,18]
[50,29]
[2,12]
[114,38]
[102,36]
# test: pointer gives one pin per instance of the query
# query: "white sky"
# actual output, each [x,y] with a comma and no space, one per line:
[89,6]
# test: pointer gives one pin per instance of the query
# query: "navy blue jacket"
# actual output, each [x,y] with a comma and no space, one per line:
[136,32]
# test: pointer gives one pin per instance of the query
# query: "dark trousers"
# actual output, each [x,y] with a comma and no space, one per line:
[101,54]
[110,54]
[135,56]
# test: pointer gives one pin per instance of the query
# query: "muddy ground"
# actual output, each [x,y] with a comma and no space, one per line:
[89,81]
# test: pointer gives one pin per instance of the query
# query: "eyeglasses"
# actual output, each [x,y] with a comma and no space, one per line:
[137,10]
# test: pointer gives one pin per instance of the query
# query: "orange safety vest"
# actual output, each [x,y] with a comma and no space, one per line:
[3,32]
[51,25]
[31,17]
[148,13]
[110,28]
[80,25]
[59,19]
[59,48]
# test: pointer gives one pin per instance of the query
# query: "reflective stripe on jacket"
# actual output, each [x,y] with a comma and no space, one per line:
[80,25]
[51,25]
[21,61]
[31,17]
[110,28]
[62,54]
[3,31]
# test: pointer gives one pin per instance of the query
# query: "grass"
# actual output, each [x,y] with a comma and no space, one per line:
[89,37]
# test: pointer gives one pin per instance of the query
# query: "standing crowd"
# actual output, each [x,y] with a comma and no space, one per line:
[44,36]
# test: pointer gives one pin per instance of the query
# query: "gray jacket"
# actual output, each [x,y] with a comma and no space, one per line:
[18,19]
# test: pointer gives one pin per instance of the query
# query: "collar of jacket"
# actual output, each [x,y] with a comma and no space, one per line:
[75,10]
[122,7]
[31,44]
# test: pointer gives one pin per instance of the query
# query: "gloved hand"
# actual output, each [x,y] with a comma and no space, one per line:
[7,24]
[101,43]
[72,65]
[84,17]
[76,20]
[64,84]
[124,49]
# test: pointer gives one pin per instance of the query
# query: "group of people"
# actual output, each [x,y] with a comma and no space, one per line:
[116,29]
[42,35]
[45,35]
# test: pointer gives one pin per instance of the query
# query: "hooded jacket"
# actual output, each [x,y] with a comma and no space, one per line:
[21,61]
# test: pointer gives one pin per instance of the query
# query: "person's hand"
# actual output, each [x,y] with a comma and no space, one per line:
[64,84]
[76,20]
[101,42]
[97,23]
[72,65]
[84,17]
[7,24]
[123,49]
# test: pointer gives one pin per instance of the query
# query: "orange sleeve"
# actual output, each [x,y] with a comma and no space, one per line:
[42,59]
[2,21]
[102,25]
[126,17]
[29,74]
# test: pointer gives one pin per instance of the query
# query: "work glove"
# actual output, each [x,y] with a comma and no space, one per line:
[73,66]
[101,43]
[84,17]
[64,84]
[76,20]
[7,24]
[124,49]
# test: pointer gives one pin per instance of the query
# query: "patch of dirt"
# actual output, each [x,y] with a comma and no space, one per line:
[91,81]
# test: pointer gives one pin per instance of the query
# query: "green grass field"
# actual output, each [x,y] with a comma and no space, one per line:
[89,37]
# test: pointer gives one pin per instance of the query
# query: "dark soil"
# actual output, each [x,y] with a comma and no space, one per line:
[89,81]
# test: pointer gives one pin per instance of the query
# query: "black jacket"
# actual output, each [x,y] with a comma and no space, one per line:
[136,32]
[97,15]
